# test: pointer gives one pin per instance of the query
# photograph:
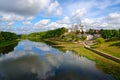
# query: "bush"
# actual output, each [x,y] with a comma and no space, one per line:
[83,37]
[100,40]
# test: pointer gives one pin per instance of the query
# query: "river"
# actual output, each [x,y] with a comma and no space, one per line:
[39,61]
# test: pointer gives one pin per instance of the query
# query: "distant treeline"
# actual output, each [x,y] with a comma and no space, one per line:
[7,36]
[109,34]
[47,34]
[106,33]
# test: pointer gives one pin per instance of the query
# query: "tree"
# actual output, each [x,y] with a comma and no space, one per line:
[1,37]
[78,32]
[7,36]
[115,33]
[119,33]
[100,40]
[54,33]
[91,31]
[109,34]
[83,37]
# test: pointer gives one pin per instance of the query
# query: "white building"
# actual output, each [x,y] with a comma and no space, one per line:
[76,27]
[89,37]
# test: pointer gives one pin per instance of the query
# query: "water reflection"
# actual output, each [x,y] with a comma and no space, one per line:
[47,63]
[8,49]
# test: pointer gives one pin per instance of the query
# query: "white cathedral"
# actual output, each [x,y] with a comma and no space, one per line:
[76,27]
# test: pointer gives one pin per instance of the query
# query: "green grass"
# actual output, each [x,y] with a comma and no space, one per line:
[102,63]
[111,47]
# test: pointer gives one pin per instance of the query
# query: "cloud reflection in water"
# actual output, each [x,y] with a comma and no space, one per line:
[26,64]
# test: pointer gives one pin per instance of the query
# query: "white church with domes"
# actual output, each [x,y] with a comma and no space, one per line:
[76,27]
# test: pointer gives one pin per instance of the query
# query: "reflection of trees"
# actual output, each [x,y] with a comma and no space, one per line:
[8,48]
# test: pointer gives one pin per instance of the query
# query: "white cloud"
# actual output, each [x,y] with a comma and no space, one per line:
[10,23]
[55,25]
[93,13]
[30,18]
[111,21]
[103,4]
[114,18]
[94,24]
[54,8]
[88,21]
[23,7]
[27,23]
[42,23]
[59,11]
[20,10]
[114,15]
[94,8]
[74,6]
[65,20]
[11,17]
[78,14]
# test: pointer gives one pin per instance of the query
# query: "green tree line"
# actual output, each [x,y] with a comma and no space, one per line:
[54,33]
[48,34]
[7,36]
[109,34]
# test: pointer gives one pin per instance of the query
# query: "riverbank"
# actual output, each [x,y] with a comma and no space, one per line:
[7,43]
[105,64]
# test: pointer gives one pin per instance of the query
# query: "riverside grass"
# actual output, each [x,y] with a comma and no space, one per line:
[111,47]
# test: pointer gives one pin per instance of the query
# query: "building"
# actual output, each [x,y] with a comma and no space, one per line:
[89,37]
[76,27]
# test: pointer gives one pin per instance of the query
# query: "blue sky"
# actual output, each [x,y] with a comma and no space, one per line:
[26,16]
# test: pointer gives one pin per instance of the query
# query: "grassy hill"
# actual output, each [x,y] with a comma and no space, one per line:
[111,47]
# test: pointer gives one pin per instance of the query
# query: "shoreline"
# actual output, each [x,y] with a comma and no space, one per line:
[107,65]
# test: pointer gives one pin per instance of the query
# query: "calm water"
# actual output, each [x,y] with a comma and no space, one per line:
[38,61]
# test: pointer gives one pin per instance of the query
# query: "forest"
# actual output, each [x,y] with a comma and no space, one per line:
[46,34]
[7,36]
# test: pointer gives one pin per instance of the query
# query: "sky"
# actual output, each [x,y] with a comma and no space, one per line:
[27,16]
